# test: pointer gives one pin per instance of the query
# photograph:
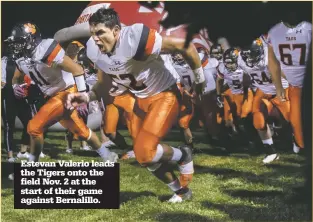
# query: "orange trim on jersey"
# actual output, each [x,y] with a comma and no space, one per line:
[205,63]
[150,42]
[53,54]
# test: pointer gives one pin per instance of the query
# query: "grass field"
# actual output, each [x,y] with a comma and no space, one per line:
[234,187]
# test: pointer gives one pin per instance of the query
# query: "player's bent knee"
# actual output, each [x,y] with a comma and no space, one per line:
[33,129]
[148,153]
[144,155]
[183,123]
[258,121]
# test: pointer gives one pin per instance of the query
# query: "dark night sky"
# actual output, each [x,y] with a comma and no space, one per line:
[247,20]
[48,16]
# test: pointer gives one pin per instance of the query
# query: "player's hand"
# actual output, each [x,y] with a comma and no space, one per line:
[199,89]
[219,101]
[82,110]
[74,100]
[280,94]
[19,91]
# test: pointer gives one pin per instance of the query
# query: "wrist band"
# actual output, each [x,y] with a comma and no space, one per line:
[80,83]
[199,75]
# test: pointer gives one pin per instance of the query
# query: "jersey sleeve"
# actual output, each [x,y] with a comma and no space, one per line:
[145,42]
[51,52]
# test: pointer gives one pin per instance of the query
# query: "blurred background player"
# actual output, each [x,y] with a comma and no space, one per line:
[291,42]
[77,52]
[238,98]
[12,107]
[260,63]
[45,62]
[72,51]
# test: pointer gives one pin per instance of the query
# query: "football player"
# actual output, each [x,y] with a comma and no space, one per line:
[72,51]
[131,56]
[260,63]
[12,107]
[76,51]
[238,98]
[185,82]
[116,97]
[290,43]
[45,62]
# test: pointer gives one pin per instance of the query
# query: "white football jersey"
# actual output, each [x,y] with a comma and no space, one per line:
[185,73]
[260,76]
[291,48]
[42,70]
[136,62]
[210,70]
[233,79]
[188,78]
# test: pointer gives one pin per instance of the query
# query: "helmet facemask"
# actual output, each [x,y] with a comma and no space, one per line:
[178,59]
[216,53]
[230,59]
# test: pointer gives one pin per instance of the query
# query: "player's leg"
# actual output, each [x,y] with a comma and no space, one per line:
[50,113]
[83,143]
[25,114]
[263,128]
[69,137]
[230,112]
[8,114]
[209,113]
[185,116]
[154,155]
[244,122]
[106,140]
[246,107]
[295,117]
[110,121]
[76,125]
[126,102]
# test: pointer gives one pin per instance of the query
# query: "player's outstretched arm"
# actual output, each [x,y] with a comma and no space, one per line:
[176,45]
[275,70]
[77,71]
[69,65]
